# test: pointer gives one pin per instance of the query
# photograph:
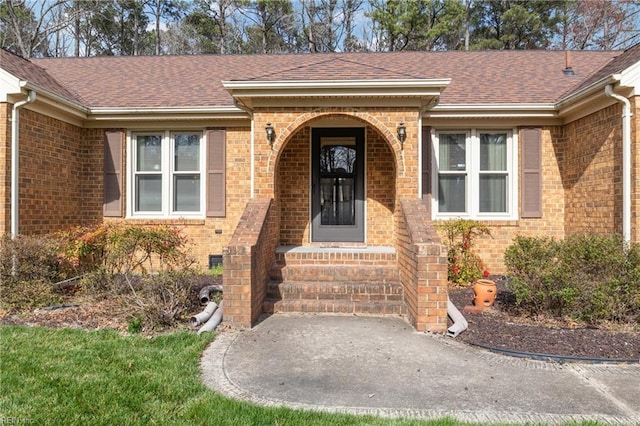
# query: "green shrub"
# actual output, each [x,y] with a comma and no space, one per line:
[164,299]
[28,269]
[533,267]
[28,258]
[22,295]
[122,248]
[588,277]
[605,273]
[149,268]
[464,266]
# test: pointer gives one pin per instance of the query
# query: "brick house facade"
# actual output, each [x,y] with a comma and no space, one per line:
[336,196]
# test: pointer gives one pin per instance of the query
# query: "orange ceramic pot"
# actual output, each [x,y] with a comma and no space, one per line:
[485,292]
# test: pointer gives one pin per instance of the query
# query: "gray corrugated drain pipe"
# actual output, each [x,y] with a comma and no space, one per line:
[459,323]
[626,161]
[15,169]
[204,316]
[214,321]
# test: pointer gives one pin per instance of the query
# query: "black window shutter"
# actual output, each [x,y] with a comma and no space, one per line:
[531,173]
[112,203]
[216,182]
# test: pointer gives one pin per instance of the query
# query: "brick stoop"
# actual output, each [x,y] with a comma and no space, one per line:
[335,280]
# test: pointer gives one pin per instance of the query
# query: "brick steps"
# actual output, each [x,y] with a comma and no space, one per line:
[334,306]
[335,280]
[333,272]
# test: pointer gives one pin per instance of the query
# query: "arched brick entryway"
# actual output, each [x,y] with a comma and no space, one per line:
[292,172]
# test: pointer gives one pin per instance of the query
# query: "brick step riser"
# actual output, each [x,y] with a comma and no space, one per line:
[336,291]
[334,307]
[335,273]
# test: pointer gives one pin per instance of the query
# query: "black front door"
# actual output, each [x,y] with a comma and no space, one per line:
[337,203]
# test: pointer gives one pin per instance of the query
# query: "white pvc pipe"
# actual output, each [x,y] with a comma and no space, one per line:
[626,161]
[459,323]
[15,167]
[213,322]
[204,316]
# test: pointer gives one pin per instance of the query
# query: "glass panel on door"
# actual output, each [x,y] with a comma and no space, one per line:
[337,178]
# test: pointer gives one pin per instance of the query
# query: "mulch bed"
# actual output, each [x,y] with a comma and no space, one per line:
[504,328]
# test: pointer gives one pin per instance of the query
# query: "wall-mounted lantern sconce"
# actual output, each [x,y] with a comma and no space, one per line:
[271,133]
[402,134]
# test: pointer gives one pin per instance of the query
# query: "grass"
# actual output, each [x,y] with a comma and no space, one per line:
[74,377]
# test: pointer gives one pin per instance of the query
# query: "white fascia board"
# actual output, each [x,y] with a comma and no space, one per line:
[577,98]
[9,85]
[154,114]
[492,111]
[324,88]
[630,77]
[54,99]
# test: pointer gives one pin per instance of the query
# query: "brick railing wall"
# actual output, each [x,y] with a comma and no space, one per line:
[422,260]
[247,261]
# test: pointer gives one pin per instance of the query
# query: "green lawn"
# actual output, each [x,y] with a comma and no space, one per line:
[75,377]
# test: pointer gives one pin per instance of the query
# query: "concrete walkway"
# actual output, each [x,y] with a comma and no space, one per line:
[383,367]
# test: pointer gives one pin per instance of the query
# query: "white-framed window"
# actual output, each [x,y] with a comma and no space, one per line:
[475,174]
[166,172]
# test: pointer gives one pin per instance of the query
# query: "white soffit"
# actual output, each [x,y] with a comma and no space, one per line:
[547,111]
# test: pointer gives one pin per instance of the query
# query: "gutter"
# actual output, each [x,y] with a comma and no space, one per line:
[626,161]
[592,88]
[15,166]
[81,111]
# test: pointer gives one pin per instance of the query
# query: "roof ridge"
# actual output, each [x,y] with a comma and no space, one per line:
[332,59]
[377,67]
[297,67]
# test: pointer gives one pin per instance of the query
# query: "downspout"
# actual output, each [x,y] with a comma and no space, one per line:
[15,169]
[252,146]
[626,161]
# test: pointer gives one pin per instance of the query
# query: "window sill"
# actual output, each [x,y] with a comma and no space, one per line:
[166,221]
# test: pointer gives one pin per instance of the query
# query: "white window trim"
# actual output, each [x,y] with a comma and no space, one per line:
[167,167]
[473,173]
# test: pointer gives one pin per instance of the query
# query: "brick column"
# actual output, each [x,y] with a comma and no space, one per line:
[246,263]
[423,267]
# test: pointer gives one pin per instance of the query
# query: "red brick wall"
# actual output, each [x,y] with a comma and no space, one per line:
[293,194]
[592,173]
[51,174]
[380,190]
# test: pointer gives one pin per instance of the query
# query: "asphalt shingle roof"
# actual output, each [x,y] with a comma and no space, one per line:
[477,77]
[29,71]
